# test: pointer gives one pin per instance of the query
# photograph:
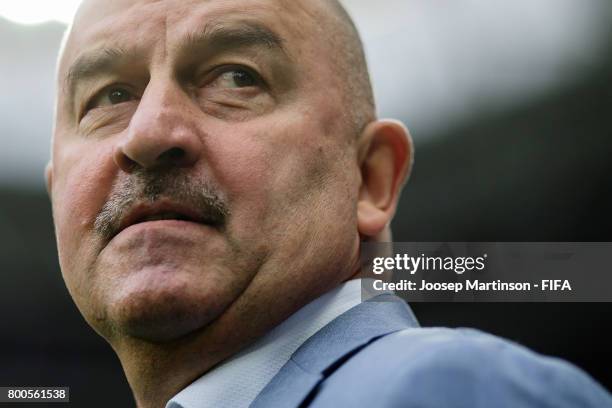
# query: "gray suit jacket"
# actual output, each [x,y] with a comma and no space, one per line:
[376,355]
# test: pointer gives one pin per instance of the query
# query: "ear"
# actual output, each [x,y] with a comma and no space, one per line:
[49,177]
[385,157]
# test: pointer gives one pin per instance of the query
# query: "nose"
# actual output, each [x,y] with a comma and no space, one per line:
[161,133]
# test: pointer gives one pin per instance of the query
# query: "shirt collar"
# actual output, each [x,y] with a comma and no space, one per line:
[237,382]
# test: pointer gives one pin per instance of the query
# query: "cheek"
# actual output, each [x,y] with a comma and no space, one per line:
[273,168]
[244,165]
[82,178]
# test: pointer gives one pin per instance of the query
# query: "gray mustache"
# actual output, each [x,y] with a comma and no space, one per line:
[147,186]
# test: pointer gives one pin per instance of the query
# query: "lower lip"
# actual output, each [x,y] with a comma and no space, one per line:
[184,226]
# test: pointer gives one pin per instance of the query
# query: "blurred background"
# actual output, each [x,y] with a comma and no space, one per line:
[509,104]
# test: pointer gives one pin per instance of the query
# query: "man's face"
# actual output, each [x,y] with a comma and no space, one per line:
[203,164]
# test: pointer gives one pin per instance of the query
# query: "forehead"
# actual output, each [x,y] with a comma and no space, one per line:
[146,23]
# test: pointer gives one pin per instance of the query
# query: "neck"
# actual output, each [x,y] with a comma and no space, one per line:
[158,371]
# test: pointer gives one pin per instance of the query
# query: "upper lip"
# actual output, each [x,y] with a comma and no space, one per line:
[159,210]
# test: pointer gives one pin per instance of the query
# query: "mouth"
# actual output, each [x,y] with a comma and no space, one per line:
[164,216]
[165,211]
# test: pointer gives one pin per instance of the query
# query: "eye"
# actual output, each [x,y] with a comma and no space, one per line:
[236,78]
[119,95]
[110,96]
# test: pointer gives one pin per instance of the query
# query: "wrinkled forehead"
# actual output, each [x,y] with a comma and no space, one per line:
[158,25]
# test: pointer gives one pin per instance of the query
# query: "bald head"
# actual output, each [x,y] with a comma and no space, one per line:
[352,62]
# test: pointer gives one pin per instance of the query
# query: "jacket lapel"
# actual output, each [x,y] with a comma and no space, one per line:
[322,353]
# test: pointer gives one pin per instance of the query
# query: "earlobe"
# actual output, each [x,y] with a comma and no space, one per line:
[370,219]
[385,157]
[49,177]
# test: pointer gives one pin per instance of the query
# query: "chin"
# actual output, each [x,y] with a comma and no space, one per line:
[163,311]
[158,329]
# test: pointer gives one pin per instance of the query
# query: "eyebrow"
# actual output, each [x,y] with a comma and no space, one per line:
[90,64]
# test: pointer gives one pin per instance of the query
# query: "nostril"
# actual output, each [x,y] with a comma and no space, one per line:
[135,156]
[174,155]
[125,163]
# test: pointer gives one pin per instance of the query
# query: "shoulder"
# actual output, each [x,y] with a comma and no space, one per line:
[463,367]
